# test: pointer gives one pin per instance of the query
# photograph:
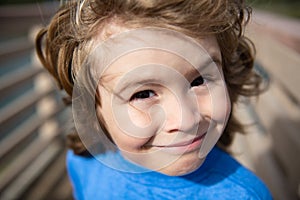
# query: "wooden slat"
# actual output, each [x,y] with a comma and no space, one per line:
[257,151]
[63,191]
[16,45]
[50,180]
[24,74]
[281,117]
[23,160]
[33,171]
[278,109]
[37,9]
[32,152]
[21,104]
[24,131]
[280,61]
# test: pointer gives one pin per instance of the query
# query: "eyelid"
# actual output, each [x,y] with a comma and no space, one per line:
[133,98]
[208,78]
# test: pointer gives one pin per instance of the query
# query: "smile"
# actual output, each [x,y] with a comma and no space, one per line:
[184,143]
[182,147]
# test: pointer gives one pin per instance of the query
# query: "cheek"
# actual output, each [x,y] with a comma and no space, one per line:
[123,139]
[128,143]
[129,127]
[221,106]
[215,104]
[219,113]
[205,106]
[139,118]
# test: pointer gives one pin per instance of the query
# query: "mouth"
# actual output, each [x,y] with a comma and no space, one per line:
[179,148]
[184,143]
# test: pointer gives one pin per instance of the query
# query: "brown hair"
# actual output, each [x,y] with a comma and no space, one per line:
[71,34]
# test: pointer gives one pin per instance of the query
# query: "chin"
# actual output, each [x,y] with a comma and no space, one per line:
[183,166]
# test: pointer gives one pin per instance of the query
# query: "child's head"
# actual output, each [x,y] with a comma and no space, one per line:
[155,98]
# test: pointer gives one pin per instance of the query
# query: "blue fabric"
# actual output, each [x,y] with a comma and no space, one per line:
[220,177]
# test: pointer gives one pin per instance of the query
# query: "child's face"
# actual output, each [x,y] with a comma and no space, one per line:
[163,99]
[165,108]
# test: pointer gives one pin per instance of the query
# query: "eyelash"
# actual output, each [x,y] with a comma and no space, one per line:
[141,95]
[146,94]
[194,83]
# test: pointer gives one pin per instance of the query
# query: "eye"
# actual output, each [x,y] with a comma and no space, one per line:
[198,81]
[145,94]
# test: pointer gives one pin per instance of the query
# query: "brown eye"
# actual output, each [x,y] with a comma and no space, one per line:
[198,81]
[142,95]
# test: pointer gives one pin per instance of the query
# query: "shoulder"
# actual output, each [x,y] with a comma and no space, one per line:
[237,179]
[84,174]
[76,168]
[91,178]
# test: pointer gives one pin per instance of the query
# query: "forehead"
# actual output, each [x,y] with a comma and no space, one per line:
[134,48]
[145,57]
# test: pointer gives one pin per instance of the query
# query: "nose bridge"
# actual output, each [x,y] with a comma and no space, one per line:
[181,112]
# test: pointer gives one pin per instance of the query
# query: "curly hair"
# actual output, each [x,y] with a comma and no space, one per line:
[65,43]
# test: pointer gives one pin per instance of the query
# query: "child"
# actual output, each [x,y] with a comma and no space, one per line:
[152,84]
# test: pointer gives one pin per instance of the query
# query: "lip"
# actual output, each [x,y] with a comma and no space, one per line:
[181,148]
[184,143]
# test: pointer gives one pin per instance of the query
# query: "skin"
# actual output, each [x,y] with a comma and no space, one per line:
[164,123]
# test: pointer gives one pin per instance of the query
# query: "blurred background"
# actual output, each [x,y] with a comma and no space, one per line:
[34,121]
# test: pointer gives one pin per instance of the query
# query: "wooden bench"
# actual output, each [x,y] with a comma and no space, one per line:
[272,149]
[33,119]
[33,123]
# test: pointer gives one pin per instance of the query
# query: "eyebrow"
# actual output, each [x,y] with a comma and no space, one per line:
[209,60]
[141,81]
[217,60]
[127,83]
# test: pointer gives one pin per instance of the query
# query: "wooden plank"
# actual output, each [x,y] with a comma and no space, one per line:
[281,118]
[258,150]
[283,29]
[279,60]
[24,131]
[63,191]
[49,181]
[33,171]
[20,104]
[16,45]
[24,74]
[21,162]
[273,106]
[278,109]
[38,9]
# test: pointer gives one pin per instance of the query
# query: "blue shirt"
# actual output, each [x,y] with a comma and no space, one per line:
[220,177]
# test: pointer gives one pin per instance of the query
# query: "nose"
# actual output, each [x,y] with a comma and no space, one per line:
[181,114]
